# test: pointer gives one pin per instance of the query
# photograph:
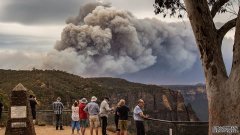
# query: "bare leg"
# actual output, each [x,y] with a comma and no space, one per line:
[83,131]
[91,130]
[123,132]
[126,132]
[96,131]
[72,131]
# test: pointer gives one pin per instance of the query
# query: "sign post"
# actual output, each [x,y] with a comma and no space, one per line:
[20,117]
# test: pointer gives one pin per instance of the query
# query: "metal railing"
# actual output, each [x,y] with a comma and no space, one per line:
[165,127]
[153,126]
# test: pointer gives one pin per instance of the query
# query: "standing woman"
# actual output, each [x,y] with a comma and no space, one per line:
[75,118]
[123,111]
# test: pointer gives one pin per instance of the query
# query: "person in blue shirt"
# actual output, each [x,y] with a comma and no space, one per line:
[139,117]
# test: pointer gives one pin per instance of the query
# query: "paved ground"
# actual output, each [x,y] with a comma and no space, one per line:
[50,130]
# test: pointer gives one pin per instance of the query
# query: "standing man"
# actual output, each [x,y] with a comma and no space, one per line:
[58,110]
[1,109]
[83,115]
[93,110]
[33,102]
[139,117]
[104,110]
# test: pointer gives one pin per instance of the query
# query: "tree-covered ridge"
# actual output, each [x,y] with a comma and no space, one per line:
[49,84]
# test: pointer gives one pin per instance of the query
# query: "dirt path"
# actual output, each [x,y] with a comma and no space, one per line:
[50,130]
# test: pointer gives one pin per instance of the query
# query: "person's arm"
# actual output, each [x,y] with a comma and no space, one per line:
[107,107]
[79,110]
[140,113]
[117,111]
[36,102]
[98,109]
[85,108]
[72,109]
[53,105]
[143,116]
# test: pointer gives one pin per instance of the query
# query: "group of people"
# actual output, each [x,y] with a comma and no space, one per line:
[84,112]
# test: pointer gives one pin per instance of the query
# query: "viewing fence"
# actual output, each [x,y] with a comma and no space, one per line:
[152,126]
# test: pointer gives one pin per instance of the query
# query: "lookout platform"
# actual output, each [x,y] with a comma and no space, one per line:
[50,130]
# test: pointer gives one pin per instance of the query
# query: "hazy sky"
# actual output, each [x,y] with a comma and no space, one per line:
[29,30]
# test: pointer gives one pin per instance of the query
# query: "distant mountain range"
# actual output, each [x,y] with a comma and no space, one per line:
[161,102]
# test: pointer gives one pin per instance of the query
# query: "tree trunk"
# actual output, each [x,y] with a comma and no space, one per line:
[222,91]
[223,102]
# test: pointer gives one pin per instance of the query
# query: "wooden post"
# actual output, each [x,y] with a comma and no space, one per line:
[20,116]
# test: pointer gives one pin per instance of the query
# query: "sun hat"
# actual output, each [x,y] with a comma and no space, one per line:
[93,99]
[84,100]
[58,99]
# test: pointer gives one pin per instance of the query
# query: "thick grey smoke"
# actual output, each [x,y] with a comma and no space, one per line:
[103,40]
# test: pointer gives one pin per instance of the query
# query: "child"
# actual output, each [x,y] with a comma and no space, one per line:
[75,118]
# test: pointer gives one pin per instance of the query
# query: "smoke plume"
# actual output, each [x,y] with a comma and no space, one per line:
[103,40]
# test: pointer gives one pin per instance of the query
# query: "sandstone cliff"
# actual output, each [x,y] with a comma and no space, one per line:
[196,96]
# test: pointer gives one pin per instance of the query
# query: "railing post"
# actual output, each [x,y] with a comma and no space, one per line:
[170,131]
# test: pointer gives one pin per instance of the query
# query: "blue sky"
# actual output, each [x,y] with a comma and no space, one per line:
[29,30]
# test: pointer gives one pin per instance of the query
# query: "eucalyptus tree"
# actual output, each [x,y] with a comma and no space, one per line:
[223,90]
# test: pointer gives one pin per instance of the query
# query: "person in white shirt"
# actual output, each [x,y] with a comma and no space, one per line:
[139,117]
[75,118]
[104,111]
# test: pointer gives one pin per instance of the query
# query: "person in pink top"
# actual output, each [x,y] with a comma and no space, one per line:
[75,118]
[83,115]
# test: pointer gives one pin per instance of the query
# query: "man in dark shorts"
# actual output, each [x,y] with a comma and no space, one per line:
[123,111]
[33,103]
